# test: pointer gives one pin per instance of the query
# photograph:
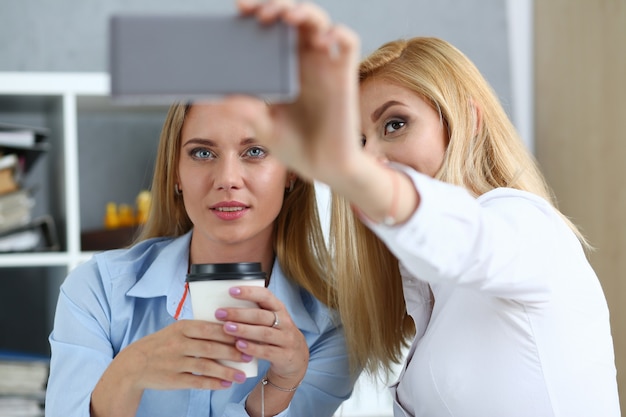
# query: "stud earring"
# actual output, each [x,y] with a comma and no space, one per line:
[177,190]
[291,184]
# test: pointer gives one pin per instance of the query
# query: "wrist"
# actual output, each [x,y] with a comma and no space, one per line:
[384,195]
[283,383]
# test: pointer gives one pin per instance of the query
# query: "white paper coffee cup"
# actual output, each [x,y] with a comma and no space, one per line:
[208,288]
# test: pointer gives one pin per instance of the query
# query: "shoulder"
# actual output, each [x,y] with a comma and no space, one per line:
[133,260]
[521,206]
[513,197]
[114,267]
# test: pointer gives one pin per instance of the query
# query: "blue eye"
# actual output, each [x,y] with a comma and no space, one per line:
[256,152]
[394,126]
[201,153]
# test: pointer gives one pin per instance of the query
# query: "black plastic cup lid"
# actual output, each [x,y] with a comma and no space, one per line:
[224,271]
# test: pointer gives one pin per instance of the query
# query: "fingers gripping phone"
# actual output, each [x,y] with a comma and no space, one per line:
[162,58]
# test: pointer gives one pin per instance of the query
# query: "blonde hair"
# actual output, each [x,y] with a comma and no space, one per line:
[484,152]
[298,238]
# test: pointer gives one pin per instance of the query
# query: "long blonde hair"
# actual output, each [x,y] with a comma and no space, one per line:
[484,152]
[298,239]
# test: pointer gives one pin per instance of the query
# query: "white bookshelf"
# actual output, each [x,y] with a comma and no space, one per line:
[62,92]
[59,101]
[67,105]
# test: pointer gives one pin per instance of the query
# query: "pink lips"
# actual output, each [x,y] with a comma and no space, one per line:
[229,210]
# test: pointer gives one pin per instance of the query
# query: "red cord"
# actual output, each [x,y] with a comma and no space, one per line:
[181,302]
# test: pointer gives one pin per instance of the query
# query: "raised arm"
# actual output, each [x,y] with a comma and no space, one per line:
[318,136]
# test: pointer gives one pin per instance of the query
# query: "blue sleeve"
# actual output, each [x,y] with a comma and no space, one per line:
[80,343]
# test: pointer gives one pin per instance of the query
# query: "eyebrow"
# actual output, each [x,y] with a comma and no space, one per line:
[210,142]
[379,111]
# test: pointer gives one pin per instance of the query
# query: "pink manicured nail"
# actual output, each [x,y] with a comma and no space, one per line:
[226,384]
[230,327]
[242,344]
[240,377]
[246,357]
[220,313]
[234,291]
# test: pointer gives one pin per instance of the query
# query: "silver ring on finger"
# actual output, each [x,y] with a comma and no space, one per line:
[276,321]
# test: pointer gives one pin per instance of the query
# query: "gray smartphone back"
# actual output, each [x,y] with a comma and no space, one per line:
[162,58]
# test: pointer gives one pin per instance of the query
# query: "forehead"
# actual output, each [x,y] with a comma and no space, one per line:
[229,117]
[376,92]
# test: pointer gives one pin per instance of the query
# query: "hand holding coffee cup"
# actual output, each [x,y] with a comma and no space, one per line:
[208,288]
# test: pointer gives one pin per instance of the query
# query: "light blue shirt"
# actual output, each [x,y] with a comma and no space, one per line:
[120,296]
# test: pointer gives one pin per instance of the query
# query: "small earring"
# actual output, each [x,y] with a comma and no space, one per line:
[177,190]
[291,184]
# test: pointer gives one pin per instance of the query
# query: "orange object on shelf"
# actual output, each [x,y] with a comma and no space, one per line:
[126,216]
[111,216]
[143,201]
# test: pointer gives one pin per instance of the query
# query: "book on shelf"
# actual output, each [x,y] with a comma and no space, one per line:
[16,208]
[12,406]
[38,235]
[23,379]
[25,141]
[10,173]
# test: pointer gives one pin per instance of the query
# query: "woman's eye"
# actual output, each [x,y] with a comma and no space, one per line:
[201,153]
[256,152]
[394,126]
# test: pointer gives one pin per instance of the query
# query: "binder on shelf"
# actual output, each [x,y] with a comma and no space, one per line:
[28,142]
[21,136]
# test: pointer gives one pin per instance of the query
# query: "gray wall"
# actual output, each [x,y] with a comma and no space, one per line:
[71,35]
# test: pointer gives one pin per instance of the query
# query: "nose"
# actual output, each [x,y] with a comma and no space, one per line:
[229,173]
[373,147]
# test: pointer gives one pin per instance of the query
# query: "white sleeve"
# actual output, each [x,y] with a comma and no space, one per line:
[502,243]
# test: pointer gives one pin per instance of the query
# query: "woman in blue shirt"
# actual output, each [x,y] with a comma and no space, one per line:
[123,342]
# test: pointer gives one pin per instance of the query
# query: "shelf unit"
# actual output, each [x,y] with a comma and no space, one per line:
[83,122]
[57,94]
[59,101]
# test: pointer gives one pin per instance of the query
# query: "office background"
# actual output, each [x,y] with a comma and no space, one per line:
[568,105]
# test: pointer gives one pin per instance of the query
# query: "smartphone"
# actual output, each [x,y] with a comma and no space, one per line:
[164,58]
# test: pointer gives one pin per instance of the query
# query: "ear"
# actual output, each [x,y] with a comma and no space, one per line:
[291,180]
[478,116]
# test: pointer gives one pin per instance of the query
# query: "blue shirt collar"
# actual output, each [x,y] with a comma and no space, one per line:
[165,277]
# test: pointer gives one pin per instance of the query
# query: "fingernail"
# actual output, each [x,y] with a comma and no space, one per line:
[246,358]
[240,377]
[226,384]
[220,313]
[230,327]
[242,344]
[234,291]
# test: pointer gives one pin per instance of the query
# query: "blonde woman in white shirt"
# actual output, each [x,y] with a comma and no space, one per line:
[461,231]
